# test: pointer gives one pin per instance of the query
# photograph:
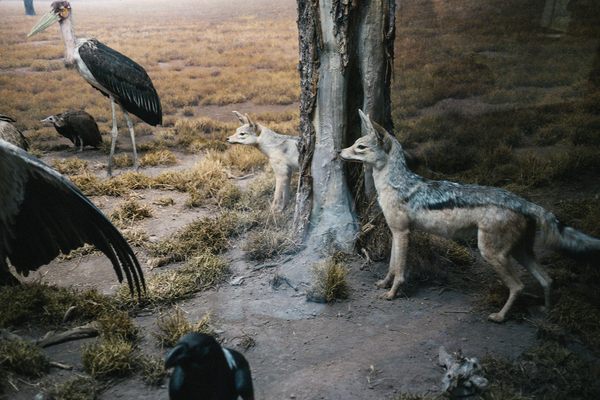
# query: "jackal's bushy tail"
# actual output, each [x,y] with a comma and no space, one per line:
[566,239]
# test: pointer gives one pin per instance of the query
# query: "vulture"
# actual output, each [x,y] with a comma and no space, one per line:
[42,214]
[115,75]
[11,134]
[77,126]
[205,370]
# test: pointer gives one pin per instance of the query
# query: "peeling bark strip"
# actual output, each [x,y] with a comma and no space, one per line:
[309,49]
[341,21]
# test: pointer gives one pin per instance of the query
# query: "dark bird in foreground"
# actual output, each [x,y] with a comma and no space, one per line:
[11,134]
[77,126]
[116,76]
[204,370]
[43,214]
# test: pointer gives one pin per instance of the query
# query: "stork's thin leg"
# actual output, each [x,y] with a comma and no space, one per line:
[80,145]
[132,133]
[114,133]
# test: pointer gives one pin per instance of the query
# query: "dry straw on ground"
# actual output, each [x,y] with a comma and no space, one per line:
[22,358]
[172,326]
[329,281]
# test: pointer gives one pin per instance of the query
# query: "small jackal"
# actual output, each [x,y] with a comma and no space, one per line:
[505,223]
[281,150]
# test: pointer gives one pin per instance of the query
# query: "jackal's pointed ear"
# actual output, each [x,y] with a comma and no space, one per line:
[250,122]
[242,119]
[383,136]
[365,122]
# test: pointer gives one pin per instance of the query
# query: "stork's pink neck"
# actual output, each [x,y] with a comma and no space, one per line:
[66,29]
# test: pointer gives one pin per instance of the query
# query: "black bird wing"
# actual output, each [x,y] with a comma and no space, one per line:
[125,79]
[84,125]
[43,214]
[6,118]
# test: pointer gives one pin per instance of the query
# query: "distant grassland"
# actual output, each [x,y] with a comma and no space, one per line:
[197,53]
[479,87]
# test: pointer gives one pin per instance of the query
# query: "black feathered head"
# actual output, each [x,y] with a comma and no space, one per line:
[193,349]
[61,8]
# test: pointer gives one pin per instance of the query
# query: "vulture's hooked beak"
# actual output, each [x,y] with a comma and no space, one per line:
[47,20]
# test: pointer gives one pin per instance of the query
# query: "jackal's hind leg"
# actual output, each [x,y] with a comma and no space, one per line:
[494,250]
[397,264]
[527,259]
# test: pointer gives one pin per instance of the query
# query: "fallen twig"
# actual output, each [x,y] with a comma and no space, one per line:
[80,332]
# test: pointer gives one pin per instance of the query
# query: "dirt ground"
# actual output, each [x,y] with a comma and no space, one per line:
[359,348]
[363,347]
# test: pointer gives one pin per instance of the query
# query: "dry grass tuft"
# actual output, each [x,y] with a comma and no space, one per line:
[158,157]
[329,281]
[130,211]
[34,303]
[118,325]
[152,369]
[135,236]
[122,160]
[174,325]
[108,358]
[201,272]
[91,185]
[209,180]
[243,158]
[70,166]
[23,358]
[269,242]
[80,388]
[206,235]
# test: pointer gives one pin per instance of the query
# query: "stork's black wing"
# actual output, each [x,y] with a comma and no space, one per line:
[126,80]
[43,214]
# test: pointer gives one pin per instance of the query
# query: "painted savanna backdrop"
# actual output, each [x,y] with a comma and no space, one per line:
[502,93]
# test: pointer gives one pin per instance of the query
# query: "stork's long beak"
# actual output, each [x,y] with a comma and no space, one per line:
[45,120]
[44,23]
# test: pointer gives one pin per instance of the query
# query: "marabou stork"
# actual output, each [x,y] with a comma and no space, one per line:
[77,126]
[11,134]
[43,214]
[116,76]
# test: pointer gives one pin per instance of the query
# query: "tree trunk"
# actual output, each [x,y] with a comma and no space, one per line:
[29,10]
[346,56]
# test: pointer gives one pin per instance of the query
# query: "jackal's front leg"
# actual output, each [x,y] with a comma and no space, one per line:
[397,267]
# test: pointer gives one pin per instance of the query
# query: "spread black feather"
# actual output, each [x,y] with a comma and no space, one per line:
[43,214]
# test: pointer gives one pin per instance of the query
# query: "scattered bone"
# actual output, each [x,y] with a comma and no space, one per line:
[463,374]
[58,365]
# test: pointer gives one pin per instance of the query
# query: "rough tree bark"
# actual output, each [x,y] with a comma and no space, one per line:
[29,10]
[346,56]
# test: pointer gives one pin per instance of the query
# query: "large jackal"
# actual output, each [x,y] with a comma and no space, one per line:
[505,223]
